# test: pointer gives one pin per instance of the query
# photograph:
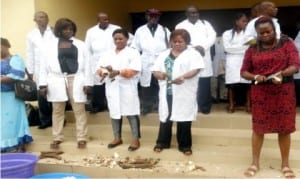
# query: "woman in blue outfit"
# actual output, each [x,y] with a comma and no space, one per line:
[14,124]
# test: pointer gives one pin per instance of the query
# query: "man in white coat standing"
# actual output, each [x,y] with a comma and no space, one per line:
[203,37]
[150,39]
[99,40]
[34,42]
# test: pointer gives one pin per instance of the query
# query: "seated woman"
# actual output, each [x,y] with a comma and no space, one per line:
[14,124]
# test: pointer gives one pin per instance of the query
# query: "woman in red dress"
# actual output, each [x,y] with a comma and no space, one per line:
[271,63]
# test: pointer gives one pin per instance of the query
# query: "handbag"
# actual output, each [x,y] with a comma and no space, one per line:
[26,90]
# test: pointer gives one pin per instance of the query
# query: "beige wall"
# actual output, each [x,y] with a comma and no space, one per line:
[16,21]
[169,5]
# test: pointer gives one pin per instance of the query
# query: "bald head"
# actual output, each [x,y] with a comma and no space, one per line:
[103,20]
[268,9]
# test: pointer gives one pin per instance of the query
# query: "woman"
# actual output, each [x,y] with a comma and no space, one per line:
[15,131]
[177,71]
[271,63]
[119,70]
[65,75]
[235,50]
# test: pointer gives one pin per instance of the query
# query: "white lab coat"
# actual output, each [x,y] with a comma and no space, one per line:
[34,43]
[250,31]
[98,42]
[235,51]
[150,47]
[52,76]
[297,43]
[202,33]
[122,93]
[184,105]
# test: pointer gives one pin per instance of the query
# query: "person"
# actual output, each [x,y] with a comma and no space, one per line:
[297,75]
[150,39]
[177,71]
[99,40]
[66,75]
[267,9]
[34,42]
[203,37]
[235,50]
[15,131]
[271,63]
[255,10]
[119,70]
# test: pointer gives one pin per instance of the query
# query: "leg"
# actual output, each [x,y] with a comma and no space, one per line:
[98,99]
[184,137]
[136,134]
[45,112]
[117,130]
[165,130]
[231,100]
[284,141]
[80,116]
[204,95]
[58,123]
[257,142]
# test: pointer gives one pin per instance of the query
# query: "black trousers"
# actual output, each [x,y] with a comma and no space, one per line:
[204,97]
[98,98]
[45,110]
[183,134]
[149,96]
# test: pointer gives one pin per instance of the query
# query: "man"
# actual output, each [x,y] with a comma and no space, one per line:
[267,9]
[150,39]
[35,40]
[203,37]
[99,40]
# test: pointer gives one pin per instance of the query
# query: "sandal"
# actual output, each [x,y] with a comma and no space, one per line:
[158,148]
[114,144]
[81,144]
[186,151]
[55,144]
[251,171]
[288,173]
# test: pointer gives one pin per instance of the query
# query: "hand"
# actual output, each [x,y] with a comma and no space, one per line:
[30,76]
[43,92]
[178,80]
[277,79]
[162,76]
[201,50]
[113,74]
[87,90]
[260,79]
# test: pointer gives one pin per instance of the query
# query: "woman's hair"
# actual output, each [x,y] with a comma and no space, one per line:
[236,17]
[263,20]
[63,23]
[121,31]
[183,33]
[5,42]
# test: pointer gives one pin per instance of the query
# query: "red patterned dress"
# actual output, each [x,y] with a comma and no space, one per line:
[273,106]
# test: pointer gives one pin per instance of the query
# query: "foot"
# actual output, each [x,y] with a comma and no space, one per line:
[55,144]
[251,171]
[186,151]
[288,173]
[158,148]
[81,144]
[114,143]
[230,109]
[44,126]
[134,145]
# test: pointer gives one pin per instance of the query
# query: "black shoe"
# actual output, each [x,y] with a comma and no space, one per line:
[44,126]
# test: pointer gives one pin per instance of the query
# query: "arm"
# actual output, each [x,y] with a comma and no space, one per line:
[211,36]
[29,55]
[187,75]
[230,46]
